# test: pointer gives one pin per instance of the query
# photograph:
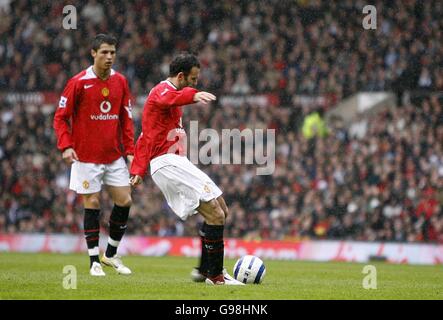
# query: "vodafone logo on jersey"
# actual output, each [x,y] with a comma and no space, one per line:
[105,107]
[104,117]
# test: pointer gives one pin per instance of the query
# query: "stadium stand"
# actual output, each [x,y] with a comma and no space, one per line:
[380,179]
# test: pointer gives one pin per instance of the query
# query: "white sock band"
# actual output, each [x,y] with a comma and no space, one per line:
[94,252]
[113,242]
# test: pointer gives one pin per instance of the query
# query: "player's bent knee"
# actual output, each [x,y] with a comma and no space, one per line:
[212,212]
[126,202]
[217,216]
[91,202]
[92,205]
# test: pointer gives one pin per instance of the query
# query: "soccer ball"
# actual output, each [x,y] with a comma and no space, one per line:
[249,269]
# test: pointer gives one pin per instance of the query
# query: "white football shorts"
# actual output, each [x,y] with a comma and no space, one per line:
[182,183]
[89,177]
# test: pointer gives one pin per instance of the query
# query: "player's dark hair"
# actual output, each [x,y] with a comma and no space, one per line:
[103,38]
[184,62]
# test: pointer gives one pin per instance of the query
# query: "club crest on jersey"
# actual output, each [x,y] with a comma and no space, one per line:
[105,92]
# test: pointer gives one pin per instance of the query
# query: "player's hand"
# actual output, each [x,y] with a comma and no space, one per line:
[135,180]
[69,156]
[130,157]
[204,97]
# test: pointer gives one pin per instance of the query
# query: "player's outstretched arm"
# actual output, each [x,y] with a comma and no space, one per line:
[204,97]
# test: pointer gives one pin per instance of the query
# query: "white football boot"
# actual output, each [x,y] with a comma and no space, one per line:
[116,263]
[196,276]
[224,279]
[97,270]
[226,275]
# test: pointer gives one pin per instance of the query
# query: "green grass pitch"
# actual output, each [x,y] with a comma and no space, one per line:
[40,276]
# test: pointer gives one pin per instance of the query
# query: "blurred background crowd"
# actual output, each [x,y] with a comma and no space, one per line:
[380,179]
[284,47]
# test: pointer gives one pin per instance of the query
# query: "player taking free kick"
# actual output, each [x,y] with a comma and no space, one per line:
[186,188]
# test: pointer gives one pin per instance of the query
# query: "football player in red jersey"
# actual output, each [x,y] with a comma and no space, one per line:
[187,189]
[94,129]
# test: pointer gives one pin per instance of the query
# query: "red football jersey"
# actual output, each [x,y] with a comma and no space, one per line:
[162,129]
[94,117]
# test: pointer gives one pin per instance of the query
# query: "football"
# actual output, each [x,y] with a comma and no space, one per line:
[249,269]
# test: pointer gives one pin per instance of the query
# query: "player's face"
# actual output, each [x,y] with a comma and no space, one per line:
[191,79]
[104,57]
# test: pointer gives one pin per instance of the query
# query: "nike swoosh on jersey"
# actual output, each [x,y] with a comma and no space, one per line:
[87,86]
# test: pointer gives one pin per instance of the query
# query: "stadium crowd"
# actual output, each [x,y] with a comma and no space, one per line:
[381,179]
[283,47]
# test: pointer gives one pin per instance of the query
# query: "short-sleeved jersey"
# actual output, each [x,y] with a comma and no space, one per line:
[94,117]
[162,129]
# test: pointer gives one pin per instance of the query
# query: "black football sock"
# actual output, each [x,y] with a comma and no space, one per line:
[204,265]
[117,227]
[91,224]
[215,249]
